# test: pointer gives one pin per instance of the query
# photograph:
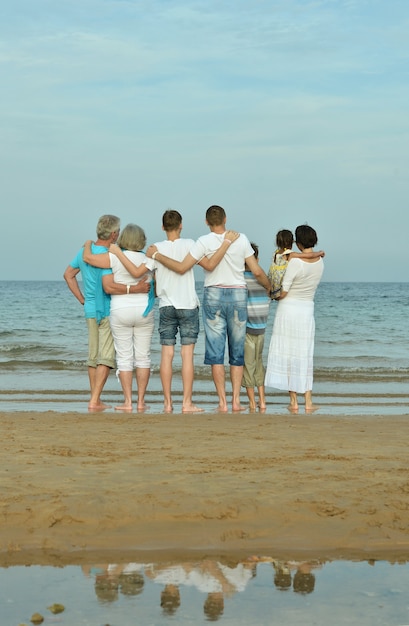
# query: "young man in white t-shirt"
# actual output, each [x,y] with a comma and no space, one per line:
[225,297]
[178,309]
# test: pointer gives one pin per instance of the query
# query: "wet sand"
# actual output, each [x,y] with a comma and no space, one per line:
[78,488]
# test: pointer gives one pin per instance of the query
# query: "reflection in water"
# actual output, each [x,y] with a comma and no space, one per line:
[303,581]
[215,579]
[170,599]
[107,585]
[209,577]
[256,590]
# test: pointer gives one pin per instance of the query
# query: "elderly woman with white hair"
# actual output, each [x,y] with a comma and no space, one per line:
[131,317]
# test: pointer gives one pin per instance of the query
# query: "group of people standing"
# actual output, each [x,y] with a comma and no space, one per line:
[120,283]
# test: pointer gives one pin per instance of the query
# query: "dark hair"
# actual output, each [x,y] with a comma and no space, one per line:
[282,579]
[284,239]
[255,248]
[215,215]
[306,236]
[171,220]
[303,583]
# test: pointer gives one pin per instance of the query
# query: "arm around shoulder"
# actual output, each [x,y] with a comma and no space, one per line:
[180,267]
[209,263]
[136,271]
[307,255]
[97,260]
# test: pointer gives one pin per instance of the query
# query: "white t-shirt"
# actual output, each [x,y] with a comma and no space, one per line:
[178,575]
[230,271]
[172,289]
[301,279]
[121,275]
[237,576]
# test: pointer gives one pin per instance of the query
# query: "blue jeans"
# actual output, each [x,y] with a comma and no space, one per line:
[224,317]
[171,320]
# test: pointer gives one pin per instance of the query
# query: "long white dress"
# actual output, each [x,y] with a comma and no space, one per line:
[291,351]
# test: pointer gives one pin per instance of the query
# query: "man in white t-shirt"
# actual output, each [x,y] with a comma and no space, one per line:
[225,297]
[178,310]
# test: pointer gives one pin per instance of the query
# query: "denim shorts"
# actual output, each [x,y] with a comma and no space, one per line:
[224,317]
[171,320]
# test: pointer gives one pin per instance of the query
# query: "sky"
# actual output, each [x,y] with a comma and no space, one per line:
[284,112]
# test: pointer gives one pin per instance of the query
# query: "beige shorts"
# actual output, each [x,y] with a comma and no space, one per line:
[254,370]
[101,350]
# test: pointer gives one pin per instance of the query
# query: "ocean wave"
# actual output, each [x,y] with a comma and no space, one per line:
[361,374]
[350,374]
[16,350]
[41,365]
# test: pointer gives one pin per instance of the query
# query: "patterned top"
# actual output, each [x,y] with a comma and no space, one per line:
[277,270]
[258,306]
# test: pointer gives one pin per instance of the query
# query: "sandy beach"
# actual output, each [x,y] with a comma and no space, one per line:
[81,488]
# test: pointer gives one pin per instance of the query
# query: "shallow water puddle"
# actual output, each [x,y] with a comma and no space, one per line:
[262,591]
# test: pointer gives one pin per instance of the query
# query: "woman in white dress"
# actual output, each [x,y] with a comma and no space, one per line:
[290,356]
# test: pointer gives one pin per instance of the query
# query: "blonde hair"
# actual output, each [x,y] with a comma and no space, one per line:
[132,238]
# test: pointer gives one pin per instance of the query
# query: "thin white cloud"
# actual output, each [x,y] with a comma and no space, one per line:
[290,103]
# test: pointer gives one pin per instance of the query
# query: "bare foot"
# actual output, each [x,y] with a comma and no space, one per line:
[168,408]
[262,406]
[252,407]
[101,406]
[311,408]
[222,408]
[293,408]
[191,408]
[142,407]
[123,407]
[238,407]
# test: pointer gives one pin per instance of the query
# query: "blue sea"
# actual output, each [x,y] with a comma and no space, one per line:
[361,363]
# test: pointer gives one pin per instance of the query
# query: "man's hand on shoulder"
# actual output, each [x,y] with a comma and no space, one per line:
[114,249]
[231,235]
[151,250]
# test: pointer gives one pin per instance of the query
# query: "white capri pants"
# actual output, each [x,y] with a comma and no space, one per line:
[132,335]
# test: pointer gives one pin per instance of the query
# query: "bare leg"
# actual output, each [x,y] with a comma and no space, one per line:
[261,398]
[309,406]
[92,372]
[101,375]
[251,397]
[187,379]
[126,377]
[142,379]
[166,376]
[293,406]
[219,379]
[236,376]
